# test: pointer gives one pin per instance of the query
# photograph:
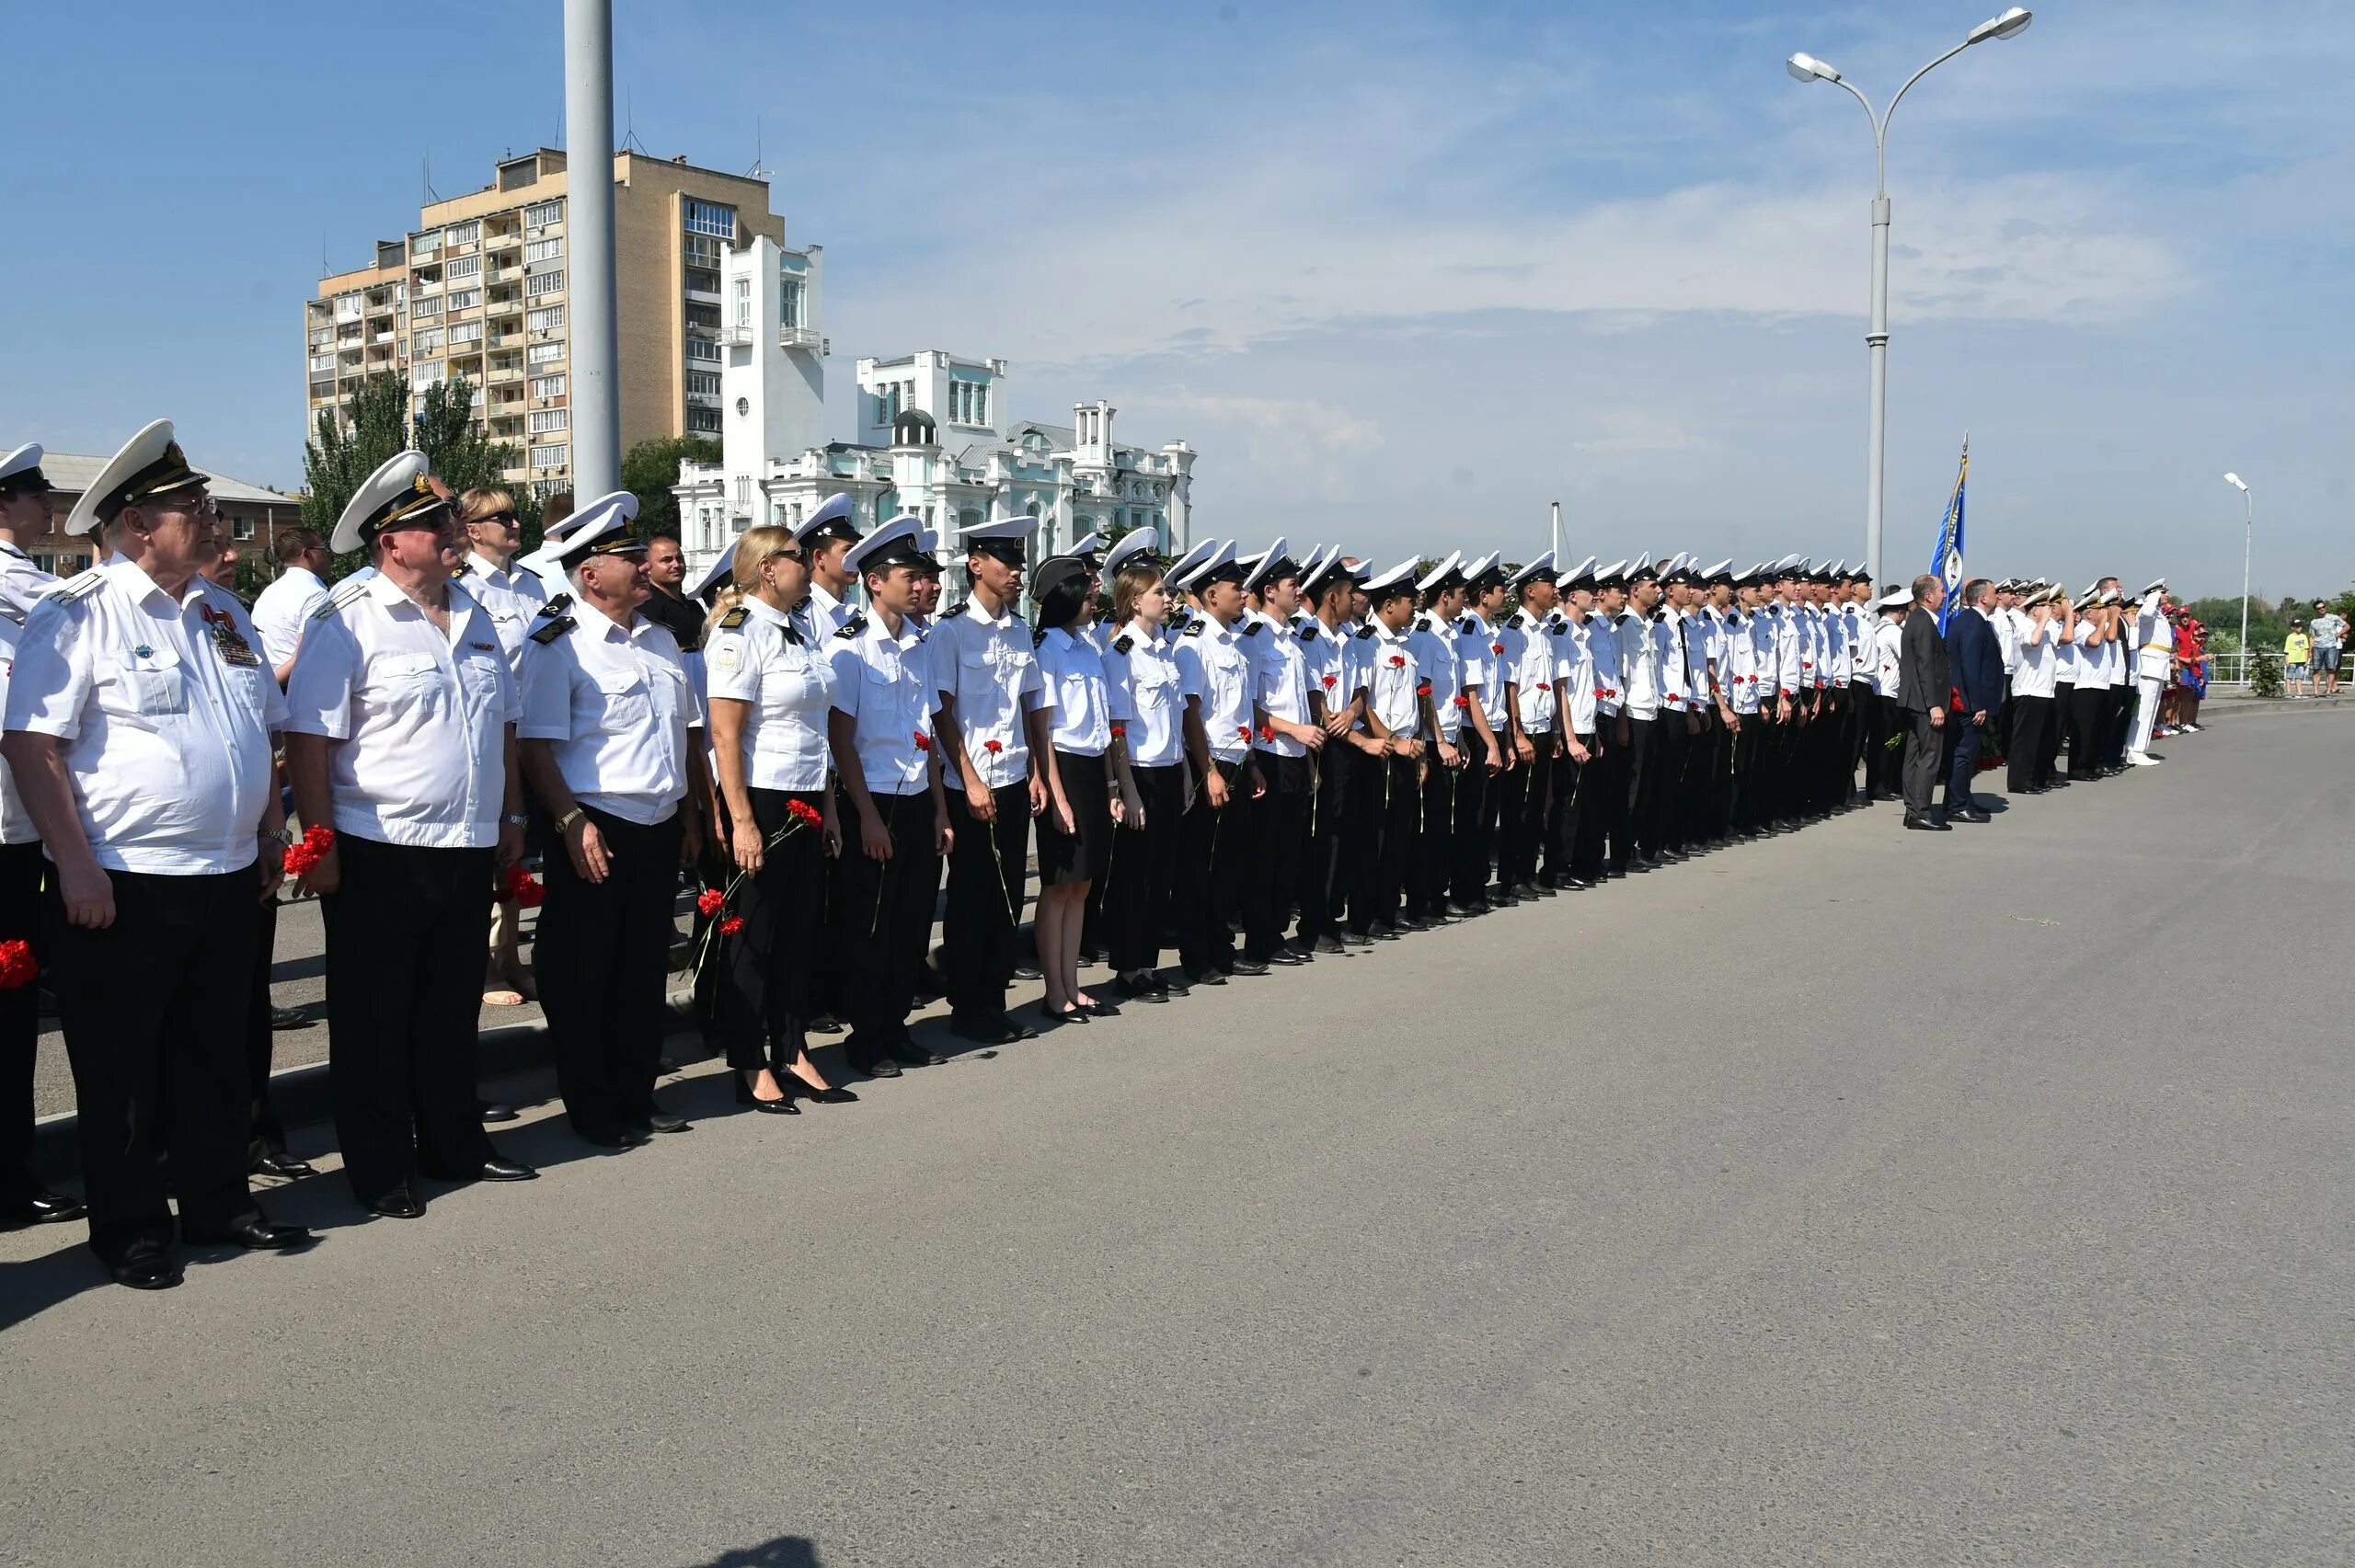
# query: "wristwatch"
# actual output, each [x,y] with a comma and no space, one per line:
[565,822]
[285,838]
[516,819]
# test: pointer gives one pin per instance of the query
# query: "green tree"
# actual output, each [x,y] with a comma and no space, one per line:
[342,453]
[462,456]
[651,467]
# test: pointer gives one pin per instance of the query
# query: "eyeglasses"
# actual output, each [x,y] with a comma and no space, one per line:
[500,517]
[790,553]
[199,505]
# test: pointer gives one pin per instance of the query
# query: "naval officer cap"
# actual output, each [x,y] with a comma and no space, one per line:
[1065,575]
[20,472]
[1219,566]
[2159,585]
[1087,549]
[1613,576]
[1182,568]
[1720,575]
[715,576]
[400,494]
[1542,569]
[1581,578]
[150,464]
[1323,570]
[836,517]
[1642,570]
[1483,573]
[1445,576]
[1895,598]
[1136,543]
[898,543]
[1001,538]
[600,527]
[1274,565]
[1399,579]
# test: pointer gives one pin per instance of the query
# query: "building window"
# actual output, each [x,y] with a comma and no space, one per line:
[465,332]
[241,528]
[705,317]
[421,245]
[704,384]
[545,249]
[539,214]
[743,492]
[702,282]
[540,283]
[744,302]
[703,348]
[548,421]
[789,302]
[322,362]
[543,353]
[547,386]
[424,376]
[465,233]
[703,421]
[547,318]
[549,456]
[462,266]
[424,308]
[462,299]
[710,218]
[426,342]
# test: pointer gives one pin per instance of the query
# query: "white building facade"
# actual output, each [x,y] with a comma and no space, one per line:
[934,439]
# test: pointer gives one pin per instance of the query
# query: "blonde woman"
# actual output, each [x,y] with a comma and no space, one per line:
[1148,776]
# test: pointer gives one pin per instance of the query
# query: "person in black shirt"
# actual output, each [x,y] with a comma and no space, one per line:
[668,606]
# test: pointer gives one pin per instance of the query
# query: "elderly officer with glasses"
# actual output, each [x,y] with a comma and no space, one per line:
[139,723]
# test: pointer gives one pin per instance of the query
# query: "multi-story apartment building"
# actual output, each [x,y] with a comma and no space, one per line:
[478,290]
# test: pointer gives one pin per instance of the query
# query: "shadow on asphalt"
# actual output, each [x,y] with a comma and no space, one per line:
[785,1552]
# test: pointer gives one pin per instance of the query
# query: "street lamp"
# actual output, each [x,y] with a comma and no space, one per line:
[1808,68]
[2248,536]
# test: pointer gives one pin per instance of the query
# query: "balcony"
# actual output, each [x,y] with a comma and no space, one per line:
[509,274]
[797,338]
[504,374]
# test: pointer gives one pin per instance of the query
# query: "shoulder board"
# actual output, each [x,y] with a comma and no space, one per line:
[556,606]
[1467,625]
[1364,632]
[1253,629]
[956,610]
[734,618]
[345,593]
[1122,643]
[1038,636]
[553,628]
[1557,626]
[1309,634]
[852,627]
[1194,630]
[76,586]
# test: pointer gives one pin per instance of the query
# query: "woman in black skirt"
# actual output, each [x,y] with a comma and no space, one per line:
[1075,831]
[1149,776]
[769,693]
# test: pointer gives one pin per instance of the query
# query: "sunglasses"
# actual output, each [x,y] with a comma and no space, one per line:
[506,517]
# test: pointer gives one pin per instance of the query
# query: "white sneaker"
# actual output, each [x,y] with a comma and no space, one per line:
[2142,759]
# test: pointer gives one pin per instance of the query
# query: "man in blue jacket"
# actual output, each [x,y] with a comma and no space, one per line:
[1977,659]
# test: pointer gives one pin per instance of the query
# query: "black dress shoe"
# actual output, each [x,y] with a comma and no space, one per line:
[826,1023]
[1094,955]
[665,1065]
[492,1111]
[1465,912]
[1249,966]
[1014,1028]
[1205,977]
[1104,1009]
[1026,970]
[1142,986]
[1074,1013]
[875,1067]
[1578,884]
[147,1267]
[282,1165]
[1413,922]
[611,1136]
[1927,825]
[832,1094]
[256,1235]
[397,1203]
[43,1208]
[289,1018]
[1286,958]
[1382,932]
[657,1119]
[494,1169]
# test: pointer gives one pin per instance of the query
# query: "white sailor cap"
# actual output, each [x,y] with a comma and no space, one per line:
[150,463]
[600,528]
[1181,570]
[1538,570]
[1399,580]
[401,492]
[898,543]
[1721,572]
[1486,565]
[20,470]
[1613,576]
[835,518]
[1218,565]
[1091,546]
[1004,538]
[718,575]
[1437,577]
[2159,585]
[1582,577]
[1895,598]
[1274,565]
[1321,568]
[1126,548]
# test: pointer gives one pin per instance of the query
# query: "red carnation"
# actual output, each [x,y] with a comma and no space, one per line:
[1496,648]
[1462,700]
[732,925]
[993,747]
[1332,682]
[1119,732]
[1244,730]
[1423,688]
[1398,661]
[523,888]
[710,901]
[802,811]
[317,844]
[16,965]
[1268,732]
[923,741]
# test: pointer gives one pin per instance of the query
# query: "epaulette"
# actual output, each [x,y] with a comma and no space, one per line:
[556,606]
[736,618]
[852,627]
[956,610]
[1038,636]
[1468,625]
[346,592]
[1122,643]
[556,627]
[1193,630]
[1309,634]
[1364,632]
[1253,629]
[76,586]
[1557,626]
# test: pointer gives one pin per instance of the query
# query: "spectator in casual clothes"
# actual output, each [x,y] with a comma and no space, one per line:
[2297,649]
[2330,635]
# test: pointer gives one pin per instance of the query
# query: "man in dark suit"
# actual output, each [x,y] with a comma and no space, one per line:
[1976,658]
[1923,686]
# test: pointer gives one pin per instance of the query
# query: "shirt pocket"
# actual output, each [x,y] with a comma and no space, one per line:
[405,680]
[154,683]
[624,696]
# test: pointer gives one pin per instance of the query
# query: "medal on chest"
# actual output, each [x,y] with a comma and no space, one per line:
[227,641]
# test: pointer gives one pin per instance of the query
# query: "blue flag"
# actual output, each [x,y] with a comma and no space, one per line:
[1947,559]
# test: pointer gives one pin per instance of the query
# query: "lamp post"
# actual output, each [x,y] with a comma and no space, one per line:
[2248,537]
[1807,68]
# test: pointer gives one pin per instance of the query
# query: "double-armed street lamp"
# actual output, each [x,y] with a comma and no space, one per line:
[1807,68]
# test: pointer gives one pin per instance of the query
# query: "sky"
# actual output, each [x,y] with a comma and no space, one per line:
[1403,273]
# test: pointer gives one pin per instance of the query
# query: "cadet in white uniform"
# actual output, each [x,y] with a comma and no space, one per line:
[2031,699]
[991,723]
[25,512]
[1146,709]
[139,723]
[1328,587]
[2154,662]
[827,535]
[1480,666]
[1391,788]
[881,736]
[400,739]
[1075,831]
[607,712]
[1528,662]
[1214,674]
[1285,737]
[1442,696]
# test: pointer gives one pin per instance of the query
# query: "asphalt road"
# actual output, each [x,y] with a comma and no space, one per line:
[1856,1197]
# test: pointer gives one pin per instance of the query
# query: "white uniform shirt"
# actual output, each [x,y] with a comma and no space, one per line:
[512,599]
[2032,677]
[16,828]
[826,613]
[2008,622]
[1143,697]
[2154,643]
[1640,651]
[1073,682]
[22,586]
[1790,661]
[1738,668]
[1608,655]
[2093,670]
[282,610]
[989,667]
[771,663]
[885,685]
[1432,641]
[1390,686]
[1888,643]
[1323,652]
[162,713]
[1668,634]
[1528,665]
[421,716]
[617,704]
[1574,699]
[1279,683]
[1479,659]
[1213,670]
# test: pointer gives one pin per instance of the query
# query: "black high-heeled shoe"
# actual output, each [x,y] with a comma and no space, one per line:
[1074,1013]
[795,1084]
[782,1106]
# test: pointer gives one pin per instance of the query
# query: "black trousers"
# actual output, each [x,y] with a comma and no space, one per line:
[2023,750]
[1278,823]
[1607,795]
[768,970]
[1643,787]
[1528,835]
[153,1009]
[406,932]
[1469,832]
[1879,715]
[1965,738]
[1508,800]
[268,1136]
[1324,888]
[988,865]
[2085,725]
[22,868]
[1701,760]
[1591,810]
[1672,750]
[1924,753]
[2056,729]
[1426,883]
[2117,721]
[1214,845]
[886,914]
[1144,861]
[1400,800]
[604,949]
[1555,839]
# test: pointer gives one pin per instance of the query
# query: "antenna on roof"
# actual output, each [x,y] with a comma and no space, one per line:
[758,170]
[324,267]
[431,194]
[629,122]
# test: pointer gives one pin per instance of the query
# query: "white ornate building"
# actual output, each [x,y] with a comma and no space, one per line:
[933,439]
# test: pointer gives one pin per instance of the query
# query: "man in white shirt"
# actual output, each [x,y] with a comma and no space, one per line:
[606,745]
[25,512]
[1328,587]
[1394,721]
[400,742]
[287,601]
[1215,675]
[2153,663]
[1523,793]
[1285,740]
[138,735]
[828,534]
[1442,696]
[1479,657]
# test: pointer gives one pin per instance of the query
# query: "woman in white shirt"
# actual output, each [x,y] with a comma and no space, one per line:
[2087,698]
[1149,772]
[770,693]
[1075,831]
[2031,704]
